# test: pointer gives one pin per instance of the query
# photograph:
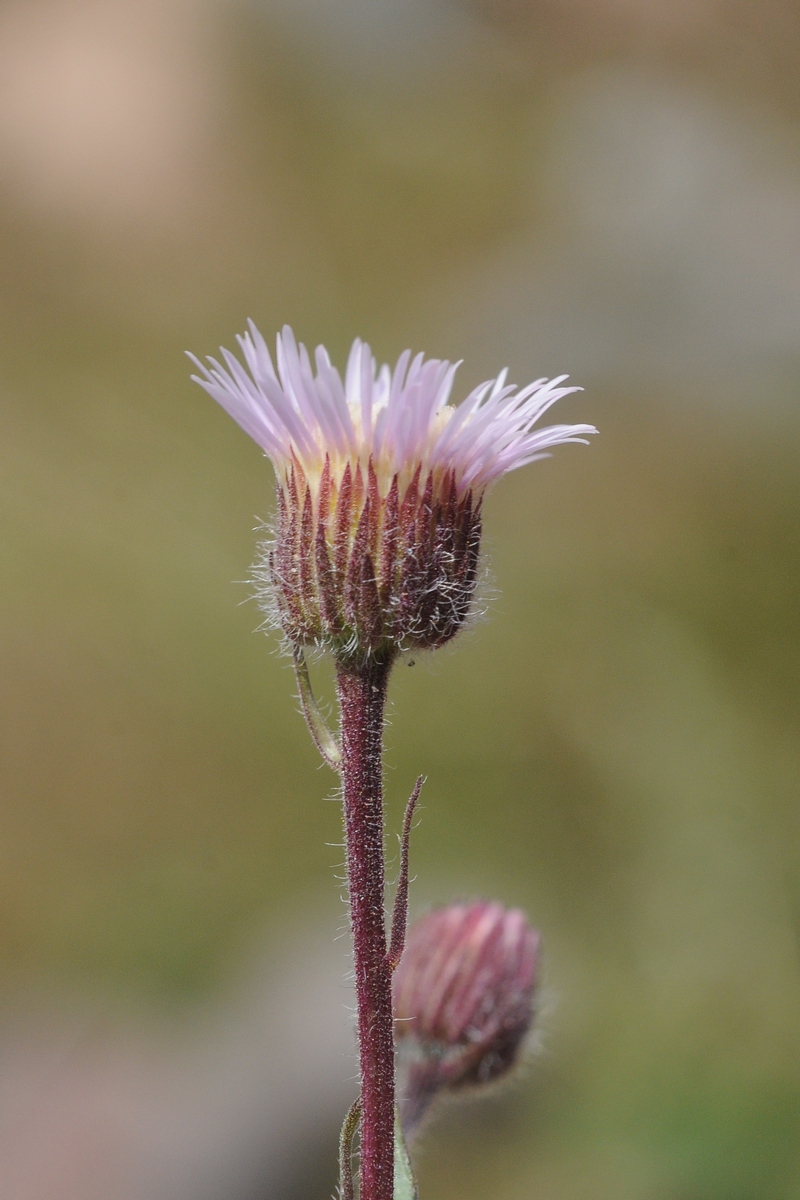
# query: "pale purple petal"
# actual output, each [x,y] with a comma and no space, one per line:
[401,419]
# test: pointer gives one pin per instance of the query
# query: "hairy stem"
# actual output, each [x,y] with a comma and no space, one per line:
[362,698]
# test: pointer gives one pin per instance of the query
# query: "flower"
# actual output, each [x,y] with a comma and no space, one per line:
[380,481]
[463,1000]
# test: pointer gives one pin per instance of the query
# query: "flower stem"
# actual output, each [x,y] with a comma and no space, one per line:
[362,698]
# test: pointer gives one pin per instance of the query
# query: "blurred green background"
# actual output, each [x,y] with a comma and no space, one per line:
[601,187]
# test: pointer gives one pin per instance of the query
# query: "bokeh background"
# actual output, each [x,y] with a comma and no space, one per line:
[605,187]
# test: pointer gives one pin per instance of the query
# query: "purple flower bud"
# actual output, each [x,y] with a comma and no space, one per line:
[463,1000]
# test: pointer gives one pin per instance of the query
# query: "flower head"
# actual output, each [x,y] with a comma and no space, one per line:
[380,481]
[463,999]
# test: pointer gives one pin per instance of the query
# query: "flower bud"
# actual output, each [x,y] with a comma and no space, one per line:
[463,1000]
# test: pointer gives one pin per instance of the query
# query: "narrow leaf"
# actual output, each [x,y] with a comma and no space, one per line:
[346,1151]
[321,734]
[400,907]
[404,1186]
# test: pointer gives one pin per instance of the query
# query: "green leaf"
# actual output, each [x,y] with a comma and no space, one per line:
[404,1186]
[323,738]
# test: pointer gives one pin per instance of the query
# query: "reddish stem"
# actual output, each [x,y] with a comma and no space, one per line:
[362,697]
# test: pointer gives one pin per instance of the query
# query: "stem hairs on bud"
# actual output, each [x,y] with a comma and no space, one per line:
[362,572]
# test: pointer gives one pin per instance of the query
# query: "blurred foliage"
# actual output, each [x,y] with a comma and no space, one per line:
[614,748]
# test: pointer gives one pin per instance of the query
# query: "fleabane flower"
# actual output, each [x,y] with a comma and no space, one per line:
[463,1001]
[380,481]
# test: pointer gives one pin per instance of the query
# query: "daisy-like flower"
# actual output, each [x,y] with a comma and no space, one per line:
[380,482]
